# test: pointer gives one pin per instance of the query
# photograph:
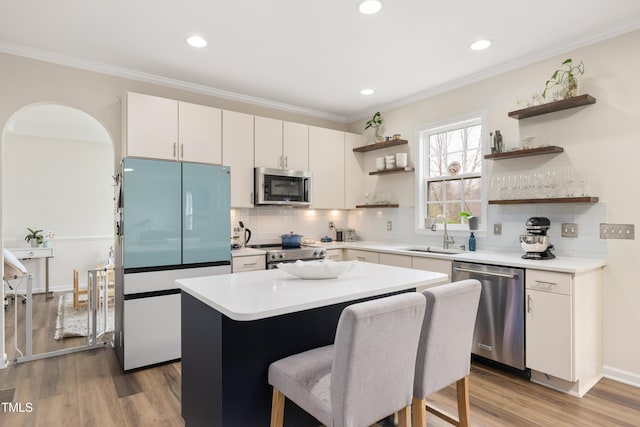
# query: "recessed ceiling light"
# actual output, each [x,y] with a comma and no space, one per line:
[370,7]
[367,91]
[196,41]
[480,44]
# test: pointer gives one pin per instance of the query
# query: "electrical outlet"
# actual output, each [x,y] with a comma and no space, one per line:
[617,231]
[331,225]
[497,228]
[569,229]
[389,225]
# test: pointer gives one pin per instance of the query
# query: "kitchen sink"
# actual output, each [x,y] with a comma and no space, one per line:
[434,250]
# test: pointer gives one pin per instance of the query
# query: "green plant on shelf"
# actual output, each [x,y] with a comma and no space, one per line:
[568,73]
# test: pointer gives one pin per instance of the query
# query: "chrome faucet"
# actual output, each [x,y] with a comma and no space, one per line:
[446,240]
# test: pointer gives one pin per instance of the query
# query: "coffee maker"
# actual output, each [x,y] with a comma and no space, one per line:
[536,242]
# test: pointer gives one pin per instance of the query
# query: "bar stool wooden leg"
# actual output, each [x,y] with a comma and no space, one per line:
[462,388]
[419,412]
[404,416]
[277,408]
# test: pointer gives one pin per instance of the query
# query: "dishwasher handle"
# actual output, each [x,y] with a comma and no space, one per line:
[486,273]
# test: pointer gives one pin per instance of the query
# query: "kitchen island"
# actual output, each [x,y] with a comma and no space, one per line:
[235,325]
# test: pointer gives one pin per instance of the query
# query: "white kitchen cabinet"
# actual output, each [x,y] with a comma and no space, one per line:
[199,133]
[326,163]
[295,146]
[563,329]
[354,172]
[150,126]
[237,153]
[248,263]
[360,255]
[268,143]
[432,264]
[335,254]
[394,260]
[162,128]
[281,145]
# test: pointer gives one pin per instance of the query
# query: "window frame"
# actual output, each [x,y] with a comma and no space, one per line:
[422,133]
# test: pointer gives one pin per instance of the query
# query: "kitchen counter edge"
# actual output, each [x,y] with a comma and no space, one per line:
[559,264]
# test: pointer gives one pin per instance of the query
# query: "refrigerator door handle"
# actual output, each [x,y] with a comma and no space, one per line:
[174,149]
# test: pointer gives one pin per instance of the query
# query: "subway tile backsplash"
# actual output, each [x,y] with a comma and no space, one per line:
[268,223]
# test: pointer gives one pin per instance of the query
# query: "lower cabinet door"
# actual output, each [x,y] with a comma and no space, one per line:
[152,330]
[549,337]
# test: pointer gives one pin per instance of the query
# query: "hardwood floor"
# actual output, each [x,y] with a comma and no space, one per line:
[90,389]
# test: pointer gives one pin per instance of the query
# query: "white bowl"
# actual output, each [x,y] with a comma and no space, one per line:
[321,269]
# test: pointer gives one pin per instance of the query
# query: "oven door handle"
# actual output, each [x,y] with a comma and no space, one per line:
[486,273]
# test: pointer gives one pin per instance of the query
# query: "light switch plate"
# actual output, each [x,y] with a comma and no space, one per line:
[569,229]
[617,231]
[497,228]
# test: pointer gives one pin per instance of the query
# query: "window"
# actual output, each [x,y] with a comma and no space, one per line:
[450,171]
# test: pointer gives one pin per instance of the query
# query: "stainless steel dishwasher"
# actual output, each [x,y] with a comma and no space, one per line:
[499,331]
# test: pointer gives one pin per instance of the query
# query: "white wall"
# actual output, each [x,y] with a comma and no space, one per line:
[61,186]
[603,137]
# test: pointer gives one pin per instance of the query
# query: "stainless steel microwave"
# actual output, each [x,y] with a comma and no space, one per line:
[282,187]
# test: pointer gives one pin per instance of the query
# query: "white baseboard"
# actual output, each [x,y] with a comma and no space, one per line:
[630,378]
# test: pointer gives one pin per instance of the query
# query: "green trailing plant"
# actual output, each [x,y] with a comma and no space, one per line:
[568,73]
[34,234]
[375,121]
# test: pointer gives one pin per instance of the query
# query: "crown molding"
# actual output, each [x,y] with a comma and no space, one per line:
[627,26]
[98,67]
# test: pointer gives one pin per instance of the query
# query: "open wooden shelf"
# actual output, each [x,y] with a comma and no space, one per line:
[394,170]
[585,199]
[552,149]
[388,205]
[380,145]
[551,107]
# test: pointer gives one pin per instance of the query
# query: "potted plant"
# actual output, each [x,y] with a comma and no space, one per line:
[558,76]
[375,122]
[34,237]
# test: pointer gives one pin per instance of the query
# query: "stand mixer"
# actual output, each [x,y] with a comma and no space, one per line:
[536,242]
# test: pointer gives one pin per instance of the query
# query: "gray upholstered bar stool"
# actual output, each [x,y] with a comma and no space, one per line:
[444,351]
[366,375]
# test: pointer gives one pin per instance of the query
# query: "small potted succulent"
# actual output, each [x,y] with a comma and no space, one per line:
[558,76]
[34,237]
[376,123]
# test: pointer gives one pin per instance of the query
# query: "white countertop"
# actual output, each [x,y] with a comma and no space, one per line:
[559,264]
[260,294]
[247,252]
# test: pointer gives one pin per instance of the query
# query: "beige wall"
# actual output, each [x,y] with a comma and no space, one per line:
[603,137]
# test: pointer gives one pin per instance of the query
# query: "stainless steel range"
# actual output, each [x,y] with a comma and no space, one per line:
[277,254]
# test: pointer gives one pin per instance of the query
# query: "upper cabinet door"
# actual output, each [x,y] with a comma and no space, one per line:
[353,171]
[268,143]
[205,213]
[199,133]
[326,163]
[151,207]
[295,144]
[237,153]
[150,127]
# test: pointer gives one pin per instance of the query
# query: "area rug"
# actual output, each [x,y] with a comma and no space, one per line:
[73,323]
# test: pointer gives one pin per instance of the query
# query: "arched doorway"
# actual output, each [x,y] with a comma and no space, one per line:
[57,168]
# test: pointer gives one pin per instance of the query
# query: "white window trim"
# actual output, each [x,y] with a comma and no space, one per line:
[419,227]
